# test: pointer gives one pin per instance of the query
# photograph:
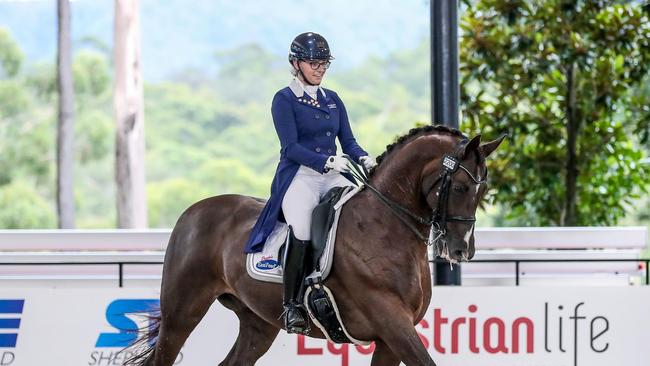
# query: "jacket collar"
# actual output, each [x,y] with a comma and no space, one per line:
[298,89]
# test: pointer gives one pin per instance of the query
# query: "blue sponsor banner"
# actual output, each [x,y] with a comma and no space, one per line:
[9,323]
[11,306]
[117,316]
[8,340]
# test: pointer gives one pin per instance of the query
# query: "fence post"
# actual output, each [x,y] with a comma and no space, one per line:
[121,272]
[517,274]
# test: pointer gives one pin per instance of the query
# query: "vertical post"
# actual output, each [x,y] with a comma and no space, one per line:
[120,267]
[517,274]
[444,62]
[647,272]
[444,93]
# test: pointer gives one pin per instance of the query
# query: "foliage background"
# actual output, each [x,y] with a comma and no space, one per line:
[563,79]
[208,124]
[209,129]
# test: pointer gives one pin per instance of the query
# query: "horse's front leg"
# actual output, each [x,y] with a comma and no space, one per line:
[398,333]
[383,356]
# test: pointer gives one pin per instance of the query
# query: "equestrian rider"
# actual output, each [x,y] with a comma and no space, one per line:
[307,119]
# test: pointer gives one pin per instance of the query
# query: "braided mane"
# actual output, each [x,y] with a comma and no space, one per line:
[416,132]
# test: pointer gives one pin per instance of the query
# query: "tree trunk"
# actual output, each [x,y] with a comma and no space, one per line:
[129,117]
[65,124]
[573,129]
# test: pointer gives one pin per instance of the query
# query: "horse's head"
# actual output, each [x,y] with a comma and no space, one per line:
[435,176]
[453,183]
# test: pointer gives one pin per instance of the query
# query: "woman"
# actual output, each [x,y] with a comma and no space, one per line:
[307,118]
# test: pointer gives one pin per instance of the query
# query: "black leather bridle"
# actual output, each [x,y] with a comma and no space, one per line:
[439,217]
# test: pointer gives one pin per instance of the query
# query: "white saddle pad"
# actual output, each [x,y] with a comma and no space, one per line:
[265,265]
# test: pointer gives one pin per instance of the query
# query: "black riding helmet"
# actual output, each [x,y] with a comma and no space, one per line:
[309,46]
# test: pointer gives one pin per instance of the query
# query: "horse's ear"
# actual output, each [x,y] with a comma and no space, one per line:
[472,145]
[489,147]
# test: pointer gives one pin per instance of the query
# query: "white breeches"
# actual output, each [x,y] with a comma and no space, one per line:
[304,193]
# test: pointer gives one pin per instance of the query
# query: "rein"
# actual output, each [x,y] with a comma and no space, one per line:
[439,217]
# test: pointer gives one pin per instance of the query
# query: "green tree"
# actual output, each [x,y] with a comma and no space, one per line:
[24,208]
[556,76]
[11,57]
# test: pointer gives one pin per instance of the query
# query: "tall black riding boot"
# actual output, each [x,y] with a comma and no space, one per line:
[293,273]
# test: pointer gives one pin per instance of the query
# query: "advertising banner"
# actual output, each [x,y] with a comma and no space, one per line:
[464,326]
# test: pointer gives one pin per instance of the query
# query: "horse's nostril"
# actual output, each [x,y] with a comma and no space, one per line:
[459,254]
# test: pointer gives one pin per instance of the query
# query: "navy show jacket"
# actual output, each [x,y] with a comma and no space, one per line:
[307,129]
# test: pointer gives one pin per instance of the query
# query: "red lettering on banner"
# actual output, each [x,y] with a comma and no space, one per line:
[472,330]
[529,334]
[341,350]
[501,331]
[303,350]
[454,333]
[493,336]
[425,325]
[438,321]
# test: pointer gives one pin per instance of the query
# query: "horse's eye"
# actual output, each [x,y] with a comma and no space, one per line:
[460,189]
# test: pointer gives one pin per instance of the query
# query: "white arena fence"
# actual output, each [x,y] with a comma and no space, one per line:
[505,256]
[60,303]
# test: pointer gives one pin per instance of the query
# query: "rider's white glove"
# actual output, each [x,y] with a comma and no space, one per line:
[368,161]
[338,163]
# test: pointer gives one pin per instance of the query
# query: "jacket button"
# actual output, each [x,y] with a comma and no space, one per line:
[318,149]
[329,151]
[329,133]
[317,116]
[327,116]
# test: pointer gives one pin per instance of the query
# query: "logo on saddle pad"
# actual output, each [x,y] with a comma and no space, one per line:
[267,263]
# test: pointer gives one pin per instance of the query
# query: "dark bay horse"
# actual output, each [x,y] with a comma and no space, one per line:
[380,275]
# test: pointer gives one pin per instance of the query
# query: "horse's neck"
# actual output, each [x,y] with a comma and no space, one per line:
[401,181]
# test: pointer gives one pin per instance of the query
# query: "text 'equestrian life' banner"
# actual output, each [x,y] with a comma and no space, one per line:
[464,326]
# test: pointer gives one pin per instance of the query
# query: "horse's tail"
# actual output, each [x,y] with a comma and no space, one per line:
[144,346]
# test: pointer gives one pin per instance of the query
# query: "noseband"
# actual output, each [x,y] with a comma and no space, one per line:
[439,216]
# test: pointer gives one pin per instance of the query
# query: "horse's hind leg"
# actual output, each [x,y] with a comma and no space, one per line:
[180,315]
[255,335]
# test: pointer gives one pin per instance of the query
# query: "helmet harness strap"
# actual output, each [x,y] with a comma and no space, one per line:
[301,75]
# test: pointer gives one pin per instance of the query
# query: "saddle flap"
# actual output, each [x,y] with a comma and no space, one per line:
[322,219]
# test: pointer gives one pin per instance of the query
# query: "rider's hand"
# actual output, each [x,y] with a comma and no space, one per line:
[368,162]
[338,163]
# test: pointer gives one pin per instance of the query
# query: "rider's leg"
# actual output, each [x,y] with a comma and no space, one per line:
[293,266]
[334,179]
[299,201]
[297,205]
